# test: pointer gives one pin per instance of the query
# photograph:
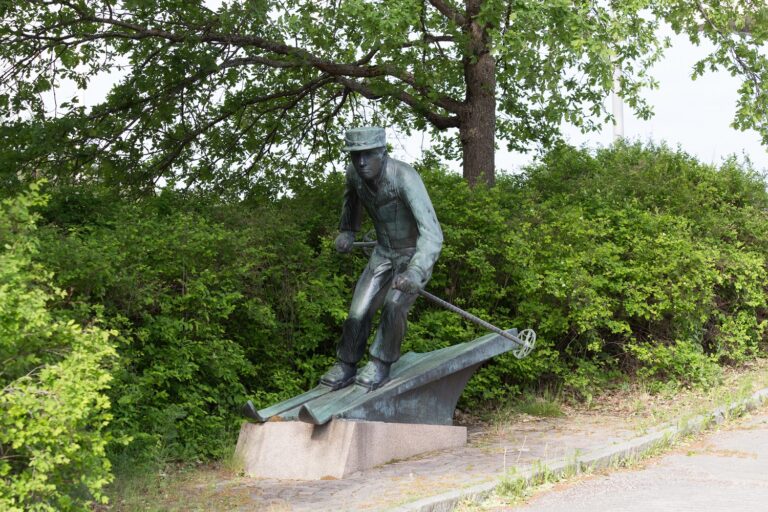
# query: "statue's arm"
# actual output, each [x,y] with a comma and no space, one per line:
[430,240]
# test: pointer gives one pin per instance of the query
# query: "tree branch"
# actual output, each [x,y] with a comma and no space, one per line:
[297,95]
[737,59]
[301,57]
[449,12]
[441,122]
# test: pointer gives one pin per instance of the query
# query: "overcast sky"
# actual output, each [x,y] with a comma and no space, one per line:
[696,115]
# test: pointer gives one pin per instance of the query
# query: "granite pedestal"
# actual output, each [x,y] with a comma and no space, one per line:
[301,451]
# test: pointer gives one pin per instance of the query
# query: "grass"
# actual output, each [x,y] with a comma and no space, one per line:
[175,487]
[543,404]
[514,489]
[156,486]
[540,406]
[684,404]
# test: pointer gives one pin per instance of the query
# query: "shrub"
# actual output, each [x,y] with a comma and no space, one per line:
[679,363]
[633,246]
[53,410]
[615,257]
[215,303]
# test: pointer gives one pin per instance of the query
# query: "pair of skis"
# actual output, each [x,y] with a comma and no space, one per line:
[309,407]
[291,406]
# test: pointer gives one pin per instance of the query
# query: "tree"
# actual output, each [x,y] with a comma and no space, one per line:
[228,97]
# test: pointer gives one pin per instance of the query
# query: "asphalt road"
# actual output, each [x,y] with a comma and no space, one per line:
[725,470]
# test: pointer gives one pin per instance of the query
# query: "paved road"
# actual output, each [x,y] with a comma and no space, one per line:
[725,470]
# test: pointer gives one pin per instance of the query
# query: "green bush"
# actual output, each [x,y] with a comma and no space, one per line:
[53,410]
[215,303]
[629,260]
[680,363]
[633,246]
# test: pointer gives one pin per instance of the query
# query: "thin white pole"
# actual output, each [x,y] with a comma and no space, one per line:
[618,107]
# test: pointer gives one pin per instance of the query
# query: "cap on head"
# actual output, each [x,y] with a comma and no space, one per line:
[367,137]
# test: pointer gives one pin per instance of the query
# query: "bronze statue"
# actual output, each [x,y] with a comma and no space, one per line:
[409,240]
[426,386]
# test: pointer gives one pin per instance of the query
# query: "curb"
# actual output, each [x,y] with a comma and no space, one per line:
[597,459]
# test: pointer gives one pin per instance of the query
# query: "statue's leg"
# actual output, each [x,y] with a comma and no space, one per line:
[394,323]
[369,294]
[386,347]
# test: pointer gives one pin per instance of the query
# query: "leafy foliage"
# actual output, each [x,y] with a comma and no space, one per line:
[634,260]
[213,302]
[633,247]
[53,408]
[224,98]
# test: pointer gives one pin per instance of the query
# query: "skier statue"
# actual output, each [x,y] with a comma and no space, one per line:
[409,240]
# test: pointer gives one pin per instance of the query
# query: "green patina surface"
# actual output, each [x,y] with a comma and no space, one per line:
[424,388]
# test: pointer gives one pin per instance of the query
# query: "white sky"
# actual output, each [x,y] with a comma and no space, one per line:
[696,115]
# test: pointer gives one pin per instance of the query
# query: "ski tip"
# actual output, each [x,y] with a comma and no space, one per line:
[308,416]
[249,411]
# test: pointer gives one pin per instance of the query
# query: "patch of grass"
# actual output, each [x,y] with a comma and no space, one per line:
[232,462]
[737,384]
[666,442]
[545,404]
[540,406]
[137,488]
[162,486]
[207,487]
[514,489]
[158,484]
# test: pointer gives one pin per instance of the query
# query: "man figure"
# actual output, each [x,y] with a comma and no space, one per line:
[409,240]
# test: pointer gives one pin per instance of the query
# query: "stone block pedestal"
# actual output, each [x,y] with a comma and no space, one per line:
[302,451]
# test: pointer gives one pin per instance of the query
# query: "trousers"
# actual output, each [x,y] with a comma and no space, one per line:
[373,291]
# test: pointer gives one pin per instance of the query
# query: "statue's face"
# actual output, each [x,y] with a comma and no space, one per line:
[368,162]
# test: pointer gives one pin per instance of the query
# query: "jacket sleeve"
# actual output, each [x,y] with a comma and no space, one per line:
[430,240]
[351,208]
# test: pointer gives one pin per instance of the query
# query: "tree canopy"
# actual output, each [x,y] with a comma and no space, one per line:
[259,91]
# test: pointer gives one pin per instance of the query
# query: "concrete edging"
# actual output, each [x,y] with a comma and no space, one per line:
[597,459]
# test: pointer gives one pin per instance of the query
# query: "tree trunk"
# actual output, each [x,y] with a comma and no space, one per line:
[477,122]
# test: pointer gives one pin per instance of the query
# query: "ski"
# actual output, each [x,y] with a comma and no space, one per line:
[249,410]
[320,412]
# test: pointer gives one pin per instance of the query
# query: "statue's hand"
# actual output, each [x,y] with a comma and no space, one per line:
[408,282]
[344,241]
